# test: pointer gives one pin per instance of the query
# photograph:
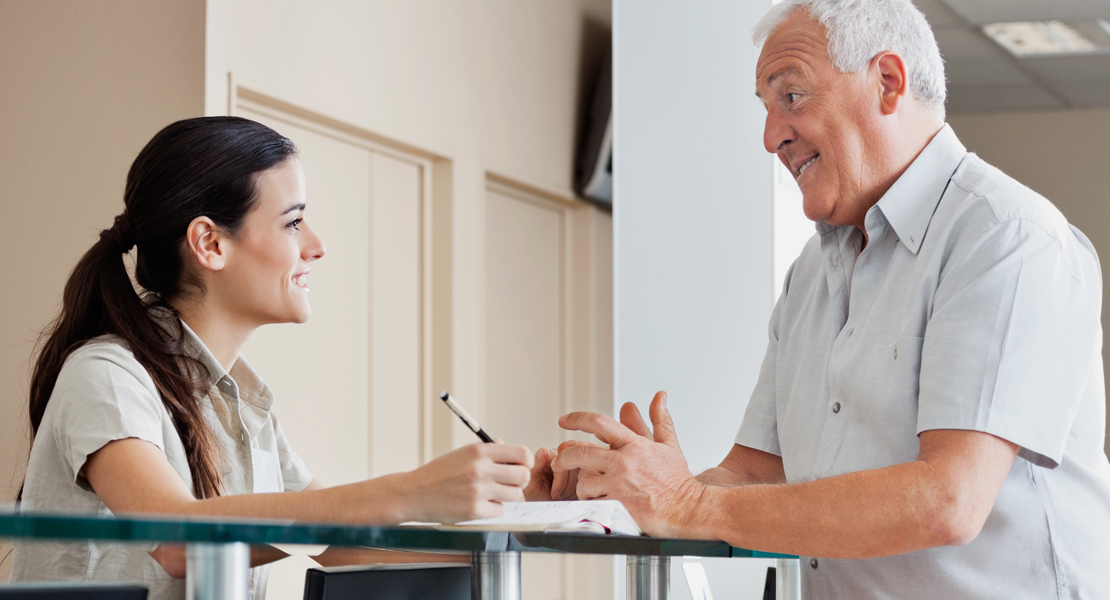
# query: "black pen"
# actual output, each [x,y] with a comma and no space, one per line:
[466,418]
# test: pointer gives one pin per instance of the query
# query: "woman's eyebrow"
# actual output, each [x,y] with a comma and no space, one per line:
[293,208]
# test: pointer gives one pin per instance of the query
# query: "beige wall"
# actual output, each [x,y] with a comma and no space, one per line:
[1062,155]
[85,84]
[488,86]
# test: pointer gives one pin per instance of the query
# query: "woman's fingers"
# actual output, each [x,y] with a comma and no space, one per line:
[508,454]
[511,475]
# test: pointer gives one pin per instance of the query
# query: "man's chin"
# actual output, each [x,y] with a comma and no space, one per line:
[816,209]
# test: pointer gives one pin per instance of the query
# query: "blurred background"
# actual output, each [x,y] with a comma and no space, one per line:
[541,205]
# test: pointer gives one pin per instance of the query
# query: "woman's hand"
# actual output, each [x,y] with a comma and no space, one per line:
[468,483]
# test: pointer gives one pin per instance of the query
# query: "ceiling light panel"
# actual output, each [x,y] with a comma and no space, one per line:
[1025,39]
[981,12]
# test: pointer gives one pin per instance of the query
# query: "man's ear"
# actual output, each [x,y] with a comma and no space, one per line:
[207,244]
[893,79]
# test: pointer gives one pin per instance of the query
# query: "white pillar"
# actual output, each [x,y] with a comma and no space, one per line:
[693,214]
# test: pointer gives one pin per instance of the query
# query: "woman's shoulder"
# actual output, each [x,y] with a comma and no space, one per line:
[102,359]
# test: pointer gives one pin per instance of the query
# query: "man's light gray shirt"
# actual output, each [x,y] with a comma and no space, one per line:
[973,306]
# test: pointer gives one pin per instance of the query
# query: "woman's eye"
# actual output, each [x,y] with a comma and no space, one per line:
[792,97]
[294,224]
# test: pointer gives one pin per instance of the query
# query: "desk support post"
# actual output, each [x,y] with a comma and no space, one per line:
[649,577]
[788,579]
[495,575]
[217,571]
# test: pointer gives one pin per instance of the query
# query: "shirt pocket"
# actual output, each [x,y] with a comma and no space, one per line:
[884,420]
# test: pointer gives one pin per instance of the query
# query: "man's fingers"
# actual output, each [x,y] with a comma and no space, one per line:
[542,461]
[539,484]
[630,418]
[661,421]
[592,487]
[604,427]
[573,443]
[583,457]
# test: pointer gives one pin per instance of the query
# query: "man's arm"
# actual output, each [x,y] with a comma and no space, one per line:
[745,466]
[942,498]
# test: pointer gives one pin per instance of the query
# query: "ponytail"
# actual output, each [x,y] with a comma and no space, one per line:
[196,167]
[100,299]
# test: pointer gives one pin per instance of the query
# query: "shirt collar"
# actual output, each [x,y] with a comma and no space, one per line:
[242,383]
[909,204]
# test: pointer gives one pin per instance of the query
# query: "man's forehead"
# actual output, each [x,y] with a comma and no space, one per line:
[792,47]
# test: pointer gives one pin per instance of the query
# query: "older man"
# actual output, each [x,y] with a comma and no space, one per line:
[929,417]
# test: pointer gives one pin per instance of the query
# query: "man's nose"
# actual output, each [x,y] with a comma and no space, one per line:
[777,132]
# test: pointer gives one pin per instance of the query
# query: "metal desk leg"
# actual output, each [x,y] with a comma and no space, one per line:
[788,579]
[649,577]
[217,571]
[495,575]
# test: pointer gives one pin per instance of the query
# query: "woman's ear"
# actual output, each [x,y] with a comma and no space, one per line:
[207,244]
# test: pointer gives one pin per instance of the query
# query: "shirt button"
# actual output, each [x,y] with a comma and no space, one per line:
[895,354]
[813,562]
[836,409]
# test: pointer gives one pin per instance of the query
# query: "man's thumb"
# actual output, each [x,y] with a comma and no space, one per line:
[662,425]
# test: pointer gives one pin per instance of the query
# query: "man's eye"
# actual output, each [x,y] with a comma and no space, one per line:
[294,224]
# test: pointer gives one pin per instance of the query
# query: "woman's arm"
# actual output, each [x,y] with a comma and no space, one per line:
[468,483]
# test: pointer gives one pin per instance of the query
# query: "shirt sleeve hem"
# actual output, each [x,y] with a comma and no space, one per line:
[1029,450]
[759,435]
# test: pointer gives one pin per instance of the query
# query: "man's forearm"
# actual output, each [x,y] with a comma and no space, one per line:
[857,515]
[722,477]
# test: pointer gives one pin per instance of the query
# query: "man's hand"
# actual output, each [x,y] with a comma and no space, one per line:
[643,469]
[539,485]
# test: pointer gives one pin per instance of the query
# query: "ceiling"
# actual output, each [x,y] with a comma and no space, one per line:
[984,77]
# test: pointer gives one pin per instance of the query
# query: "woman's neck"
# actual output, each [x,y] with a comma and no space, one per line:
[222,335]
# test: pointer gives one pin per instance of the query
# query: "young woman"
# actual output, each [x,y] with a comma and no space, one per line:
[142,404]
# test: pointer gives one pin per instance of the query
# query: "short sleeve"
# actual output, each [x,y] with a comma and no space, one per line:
[102,394]
[1012,339]
[759,429]
[294,473]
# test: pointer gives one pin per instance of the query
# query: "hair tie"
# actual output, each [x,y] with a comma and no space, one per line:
[120,235]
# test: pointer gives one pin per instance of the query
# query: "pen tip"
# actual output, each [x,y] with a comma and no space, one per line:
[444,395]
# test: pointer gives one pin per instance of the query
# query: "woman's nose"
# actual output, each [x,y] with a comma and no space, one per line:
[314,247]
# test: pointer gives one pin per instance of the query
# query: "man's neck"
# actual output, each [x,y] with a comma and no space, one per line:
[897,156]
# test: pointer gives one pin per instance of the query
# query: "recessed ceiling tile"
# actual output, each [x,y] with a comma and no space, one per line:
[1071,70]
[983,71]
[961,43]
[1004,11]
[1087,94]
[985,98]
[938,15]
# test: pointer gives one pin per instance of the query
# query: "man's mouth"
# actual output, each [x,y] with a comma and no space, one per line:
[802,168]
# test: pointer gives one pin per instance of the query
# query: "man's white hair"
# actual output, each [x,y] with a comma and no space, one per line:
[858,30]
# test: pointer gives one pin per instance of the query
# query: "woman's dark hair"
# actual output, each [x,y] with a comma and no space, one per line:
[192,168]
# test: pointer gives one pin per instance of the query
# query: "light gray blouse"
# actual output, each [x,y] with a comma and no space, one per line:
[103,394]
[974,306]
